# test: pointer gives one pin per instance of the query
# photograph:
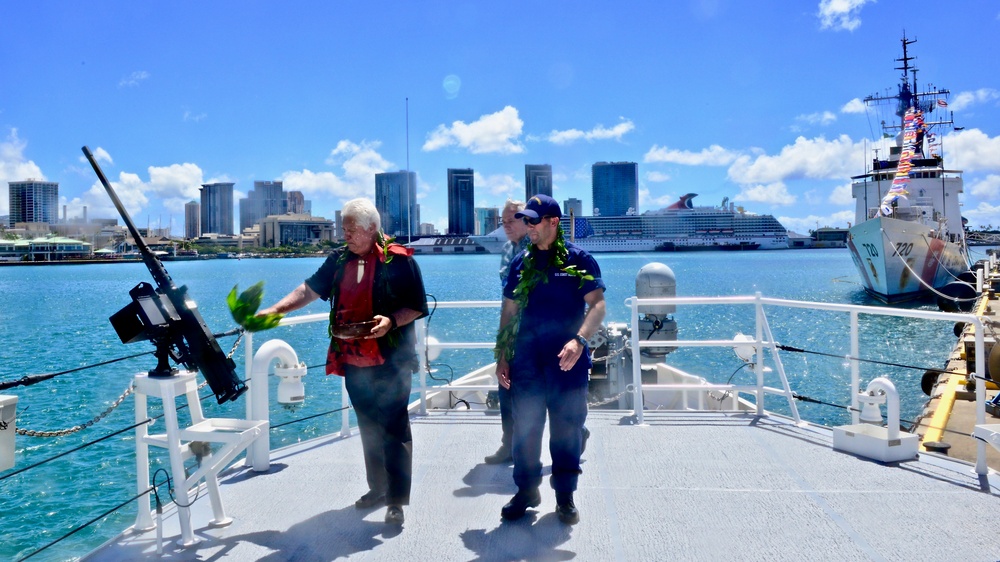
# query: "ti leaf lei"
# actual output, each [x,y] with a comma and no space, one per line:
[528,279]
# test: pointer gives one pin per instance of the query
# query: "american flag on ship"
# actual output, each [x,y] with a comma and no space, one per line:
[942,103]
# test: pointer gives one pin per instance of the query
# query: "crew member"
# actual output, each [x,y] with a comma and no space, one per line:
[553,303]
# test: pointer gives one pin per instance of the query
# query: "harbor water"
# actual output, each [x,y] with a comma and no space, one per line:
[55,318]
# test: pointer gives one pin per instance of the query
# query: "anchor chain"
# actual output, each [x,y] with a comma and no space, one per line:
[81,427]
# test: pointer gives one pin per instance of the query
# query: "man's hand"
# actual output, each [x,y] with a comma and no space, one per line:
[382,328]
[503,373]
[570,354]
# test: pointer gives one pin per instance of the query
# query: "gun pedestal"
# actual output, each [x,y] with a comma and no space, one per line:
[232,435]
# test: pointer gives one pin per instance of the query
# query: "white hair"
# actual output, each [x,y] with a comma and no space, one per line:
[363,212]
[514,205]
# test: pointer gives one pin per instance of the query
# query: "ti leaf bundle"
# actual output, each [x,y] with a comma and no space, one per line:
[244,309]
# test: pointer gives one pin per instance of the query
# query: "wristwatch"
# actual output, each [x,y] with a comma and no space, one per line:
[581,339]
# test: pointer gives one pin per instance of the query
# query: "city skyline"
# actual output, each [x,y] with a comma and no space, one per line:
[754,102]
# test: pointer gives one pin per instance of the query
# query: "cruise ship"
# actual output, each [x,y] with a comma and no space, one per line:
[681,227]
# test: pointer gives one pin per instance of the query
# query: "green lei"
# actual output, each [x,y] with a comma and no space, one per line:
[529,278]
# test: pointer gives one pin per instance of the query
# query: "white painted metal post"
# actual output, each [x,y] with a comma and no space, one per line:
[144,519]
[981,467]
[855,370]
[636,360]
[758,367]
[421,328]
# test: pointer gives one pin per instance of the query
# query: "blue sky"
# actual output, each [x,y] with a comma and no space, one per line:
[756,101]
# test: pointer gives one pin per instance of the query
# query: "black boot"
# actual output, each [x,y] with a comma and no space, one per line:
[502,456]
[566,509]
[520,503]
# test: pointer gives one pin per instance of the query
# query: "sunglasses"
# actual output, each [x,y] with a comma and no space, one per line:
[533,221]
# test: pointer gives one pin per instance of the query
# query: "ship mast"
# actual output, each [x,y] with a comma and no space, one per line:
[908,96]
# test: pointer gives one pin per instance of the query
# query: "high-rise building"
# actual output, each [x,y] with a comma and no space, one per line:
[216,208]
[265,199]
[396,201]
[537,180]
[572,204]
[461,193]
[487,220]
[615,188]
[192,220]
[33,201]
[296,203]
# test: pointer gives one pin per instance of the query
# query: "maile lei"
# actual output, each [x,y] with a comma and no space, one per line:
[382,247]
[529,278]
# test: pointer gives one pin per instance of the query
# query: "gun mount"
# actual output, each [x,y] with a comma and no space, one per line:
[168,317]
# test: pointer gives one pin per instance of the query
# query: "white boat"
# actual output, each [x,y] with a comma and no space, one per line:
[908,239]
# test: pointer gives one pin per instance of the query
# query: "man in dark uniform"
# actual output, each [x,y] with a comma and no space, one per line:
[366,280]
[553,303]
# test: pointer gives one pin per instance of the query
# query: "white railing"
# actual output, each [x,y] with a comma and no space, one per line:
[763,339]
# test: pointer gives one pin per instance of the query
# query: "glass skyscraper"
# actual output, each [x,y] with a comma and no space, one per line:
[267,198]
[537,180]
[216,208]
[192,220]
[615,188]
[34,201]
[461,195]
[396,201]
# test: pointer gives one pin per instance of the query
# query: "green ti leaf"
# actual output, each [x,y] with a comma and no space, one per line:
[244,309]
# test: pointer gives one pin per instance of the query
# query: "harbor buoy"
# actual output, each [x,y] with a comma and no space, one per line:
[957,296]
[928,381]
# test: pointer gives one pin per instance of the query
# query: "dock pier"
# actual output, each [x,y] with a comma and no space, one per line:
[949,417]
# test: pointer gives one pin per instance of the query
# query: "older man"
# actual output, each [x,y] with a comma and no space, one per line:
[368,280]
[517,240]
[553,303]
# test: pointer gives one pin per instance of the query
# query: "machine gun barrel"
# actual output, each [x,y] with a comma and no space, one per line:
[186,331]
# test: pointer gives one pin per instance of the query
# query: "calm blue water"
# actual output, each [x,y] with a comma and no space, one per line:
[55,318]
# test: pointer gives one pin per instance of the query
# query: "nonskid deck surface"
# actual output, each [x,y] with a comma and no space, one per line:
[690,486]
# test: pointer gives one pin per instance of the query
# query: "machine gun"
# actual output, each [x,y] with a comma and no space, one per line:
[168,317]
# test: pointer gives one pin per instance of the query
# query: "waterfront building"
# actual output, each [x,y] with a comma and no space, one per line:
[461,193]
[537,180]
[396,201]
[192,220]
[294,230]
[216,208]
[487,220]
[33,201]
[427,229]
[49,248]
[573,204]
[615,188]
[265,199]
[339,225]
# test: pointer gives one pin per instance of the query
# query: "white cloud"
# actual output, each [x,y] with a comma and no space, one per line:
[14,167]
[359,162]
[133,80]
[815,158]
[494,133]
[841,14]
[803,225]
[657,177]
[600,132]
[714,155]
[983,215]
[647,201]
[818,118]
[987,188]
[129,188]
[188,116]
[172,185]
[774,194]
[964,100]
[842,195]
[854,106]
[499,184]
[972,150]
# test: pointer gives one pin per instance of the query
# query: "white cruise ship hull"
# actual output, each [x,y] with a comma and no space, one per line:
[902,260]
[629,244]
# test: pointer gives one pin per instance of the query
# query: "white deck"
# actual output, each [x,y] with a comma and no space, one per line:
[685,486]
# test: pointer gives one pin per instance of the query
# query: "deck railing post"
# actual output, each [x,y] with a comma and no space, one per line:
[855,370]
[637,401]
[981,467]
[422,355]
[759,359]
